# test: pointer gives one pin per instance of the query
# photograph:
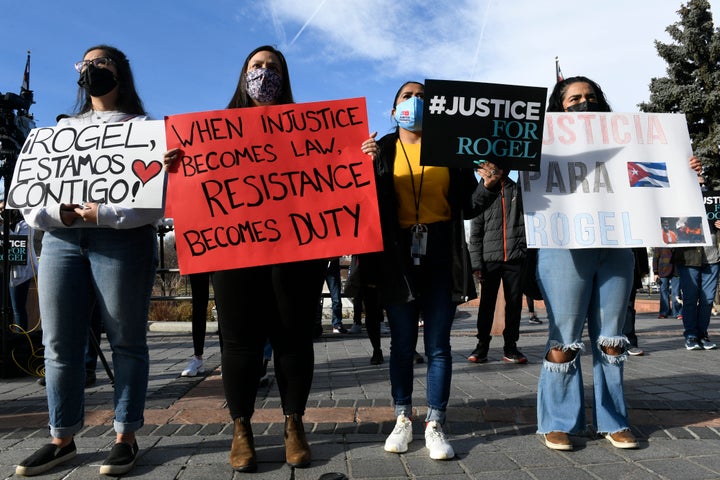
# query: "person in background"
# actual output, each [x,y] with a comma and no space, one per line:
[698,268]
[267,357]
[423,268]
[533,320]
[21,276]
[365,297]
[284,296]
[668,282]
[497,250]
[642,268]
[200,289]
[95,255]
[334,283]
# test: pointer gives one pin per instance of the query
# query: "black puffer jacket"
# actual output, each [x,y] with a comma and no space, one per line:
[497,234]
[386,270]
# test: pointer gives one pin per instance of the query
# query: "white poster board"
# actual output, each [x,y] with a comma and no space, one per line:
[614,180]
[111,163]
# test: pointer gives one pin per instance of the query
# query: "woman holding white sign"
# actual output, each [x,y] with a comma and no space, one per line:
[424,268]
[95,255]
[584,284]
[276,302]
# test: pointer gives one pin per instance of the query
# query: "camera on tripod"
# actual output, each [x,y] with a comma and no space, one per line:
[16,122]
[14,127]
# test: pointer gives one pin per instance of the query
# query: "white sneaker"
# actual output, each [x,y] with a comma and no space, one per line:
[400,437]
[356,328]
[436,442]
[195,366]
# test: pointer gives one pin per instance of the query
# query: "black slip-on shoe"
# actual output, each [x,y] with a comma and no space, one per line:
[120,460]
[45,458]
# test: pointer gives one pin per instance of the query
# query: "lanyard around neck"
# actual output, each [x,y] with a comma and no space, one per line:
[418,194]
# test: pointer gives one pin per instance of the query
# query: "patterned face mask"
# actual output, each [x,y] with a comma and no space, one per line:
[263,85]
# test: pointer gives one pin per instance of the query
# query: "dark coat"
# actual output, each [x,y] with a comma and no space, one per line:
[497,234]
[386,270]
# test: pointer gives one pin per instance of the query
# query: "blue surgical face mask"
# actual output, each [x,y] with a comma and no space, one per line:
[408,114]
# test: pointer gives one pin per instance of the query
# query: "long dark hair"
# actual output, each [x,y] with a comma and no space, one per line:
[241,99]
[128,100]
[555,102]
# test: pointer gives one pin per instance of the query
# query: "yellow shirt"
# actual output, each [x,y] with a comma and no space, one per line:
[434,206]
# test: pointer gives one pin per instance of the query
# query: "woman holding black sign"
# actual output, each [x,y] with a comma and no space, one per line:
[100,255]
[590,284]
[424,268]
[276,302]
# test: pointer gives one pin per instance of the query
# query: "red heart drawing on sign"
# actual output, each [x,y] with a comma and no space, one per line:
[146,172]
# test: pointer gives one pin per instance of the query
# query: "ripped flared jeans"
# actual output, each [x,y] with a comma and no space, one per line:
[580,285]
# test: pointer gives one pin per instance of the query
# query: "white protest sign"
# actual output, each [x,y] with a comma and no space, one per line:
[614,180]
[111,163]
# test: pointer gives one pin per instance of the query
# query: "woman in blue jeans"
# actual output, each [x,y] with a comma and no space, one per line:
[578,285]
[95,255]
[424,268]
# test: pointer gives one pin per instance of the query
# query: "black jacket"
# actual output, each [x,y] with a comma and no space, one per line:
[497,234]
[386,270]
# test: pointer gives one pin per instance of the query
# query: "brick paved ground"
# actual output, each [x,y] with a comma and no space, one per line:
[673,397]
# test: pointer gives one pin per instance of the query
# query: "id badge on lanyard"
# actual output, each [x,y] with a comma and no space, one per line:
[418,246]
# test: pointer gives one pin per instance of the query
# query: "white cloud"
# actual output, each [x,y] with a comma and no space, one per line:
[508,41]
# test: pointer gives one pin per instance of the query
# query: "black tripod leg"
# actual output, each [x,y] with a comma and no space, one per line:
[96,347]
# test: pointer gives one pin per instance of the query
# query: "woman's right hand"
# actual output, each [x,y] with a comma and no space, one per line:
[370,147]
[170,159]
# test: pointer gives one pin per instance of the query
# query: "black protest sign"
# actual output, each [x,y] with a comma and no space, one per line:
[466,122]
[17,249]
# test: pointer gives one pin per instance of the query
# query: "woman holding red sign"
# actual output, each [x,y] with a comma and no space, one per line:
[424,268]
[276,302]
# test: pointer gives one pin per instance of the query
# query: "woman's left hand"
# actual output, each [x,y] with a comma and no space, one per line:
[88,212]
[696,164]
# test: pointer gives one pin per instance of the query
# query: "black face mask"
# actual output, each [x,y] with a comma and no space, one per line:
[97,81]
[584,107]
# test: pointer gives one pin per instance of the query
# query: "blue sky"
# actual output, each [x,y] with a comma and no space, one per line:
[186,54]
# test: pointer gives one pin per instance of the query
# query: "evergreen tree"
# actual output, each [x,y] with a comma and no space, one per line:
[692,85]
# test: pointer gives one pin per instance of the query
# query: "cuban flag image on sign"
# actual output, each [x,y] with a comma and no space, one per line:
[648,174]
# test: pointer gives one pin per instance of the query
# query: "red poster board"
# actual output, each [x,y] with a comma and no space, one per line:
[267,185]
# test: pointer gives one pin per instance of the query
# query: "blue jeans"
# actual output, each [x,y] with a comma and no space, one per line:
[18,299]
[334,283]
[432,285]
[698,286]
[669,291]
[592,284]
[112,270]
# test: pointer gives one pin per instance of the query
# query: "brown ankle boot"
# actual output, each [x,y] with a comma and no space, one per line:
[242,452]
[297,450]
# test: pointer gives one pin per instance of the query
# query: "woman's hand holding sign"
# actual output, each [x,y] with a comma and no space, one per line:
[88,212]
[169,159]
[370,147]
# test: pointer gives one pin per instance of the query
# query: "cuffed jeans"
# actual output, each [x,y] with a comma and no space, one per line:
[698,286]
[592,284]
[432,285]
[112,270]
